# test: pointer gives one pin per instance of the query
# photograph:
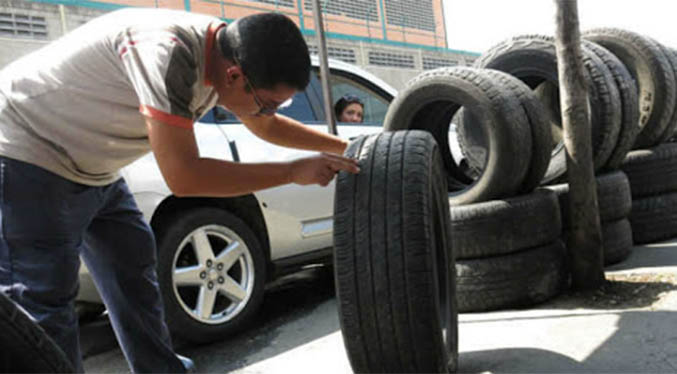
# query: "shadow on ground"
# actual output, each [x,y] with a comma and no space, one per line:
[302,301]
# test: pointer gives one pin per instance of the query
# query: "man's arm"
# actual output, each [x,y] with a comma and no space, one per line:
[187,174]
[282,130]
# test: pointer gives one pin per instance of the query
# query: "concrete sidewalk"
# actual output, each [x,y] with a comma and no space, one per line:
[586,333]
[632,331]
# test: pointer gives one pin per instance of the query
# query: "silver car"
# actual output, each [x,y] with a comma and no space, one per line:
[215,255]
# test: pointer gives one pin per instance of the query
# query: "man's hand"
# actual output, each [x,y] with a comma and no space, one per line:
[320,169]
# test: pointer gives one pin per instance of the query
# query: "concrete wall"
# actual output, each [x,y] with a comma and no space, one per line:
[395,76]
[11,48]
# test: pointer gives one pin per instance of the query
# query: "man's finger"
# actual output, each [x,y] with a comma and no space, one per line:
[333,156]
[347,165]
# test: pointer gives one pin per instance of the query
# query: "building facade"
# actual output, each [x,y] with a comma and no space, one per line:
[394,39]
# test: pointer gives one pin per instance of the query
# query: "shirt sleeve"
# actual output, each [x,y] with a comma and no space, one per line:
[163,71]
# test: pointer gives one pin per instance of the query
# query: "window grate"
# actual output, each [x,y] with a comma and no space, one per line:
[415,14]
[343,54]
[397,60]
[358,9]
[23,25]
[430,63]
[283,3]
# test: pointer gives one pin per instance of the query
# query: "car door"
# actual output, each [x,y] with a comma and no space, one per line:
[299,219]
[295,216]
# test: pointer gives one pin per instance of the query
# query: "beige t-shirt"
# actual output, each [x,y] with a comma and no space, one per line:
[76,107]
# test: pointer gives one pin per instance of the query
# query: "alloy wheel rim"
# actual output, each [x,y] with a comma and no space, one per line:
[212,274]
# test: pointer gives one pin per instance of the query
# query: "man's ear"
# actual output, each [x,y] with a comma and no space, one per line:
[233,73]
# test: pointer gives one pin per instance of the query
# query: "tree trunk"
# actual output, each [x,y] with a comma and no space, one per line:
[585,242]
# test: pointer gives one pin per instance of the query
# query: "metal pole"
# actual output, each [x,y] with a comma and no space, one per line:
[62,14]
[324,67]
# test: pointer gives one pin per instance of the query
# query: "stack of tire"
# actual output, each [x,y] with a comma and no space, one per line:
[614,203]
[653,180]
[652,166]
[505,232]
[614,118]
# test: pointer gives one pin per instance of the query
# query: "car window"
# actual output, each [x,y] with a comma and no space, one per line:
[375,105]
[299,109]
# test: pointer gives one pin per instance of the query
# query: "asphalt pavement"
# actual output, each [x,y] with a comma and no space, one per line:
[627,328]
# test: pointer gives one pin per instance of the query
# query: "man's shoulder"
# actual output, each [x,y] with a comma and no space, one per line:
[159,17]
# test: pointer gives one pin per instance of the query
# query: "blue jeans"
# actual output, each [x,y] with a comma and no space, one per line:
[46,224]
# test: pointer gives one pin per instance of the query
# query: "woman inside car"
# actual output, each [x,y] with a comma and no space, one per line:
[349,108]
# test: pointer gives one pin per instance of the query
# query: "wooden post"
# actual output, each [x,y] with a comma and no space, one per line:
[585,242]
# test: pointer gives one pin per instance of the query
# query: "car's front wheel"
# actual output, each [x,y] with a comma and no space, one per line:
[212,272]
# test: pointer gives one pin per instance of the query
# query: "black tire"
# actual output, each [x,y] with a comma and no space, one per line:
[653,74]
[533,59]
[541,139]
[221,229]
[616,240]
[673,137]
[652,171]
[24,346]
[654,218]
[500,227]
[613,197]
[393,262]
[516,280]
[627,89]
[430,101]
[672,125]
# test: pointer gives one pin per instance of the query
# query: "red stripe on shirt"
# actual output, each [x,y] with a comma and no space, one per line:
[170,119]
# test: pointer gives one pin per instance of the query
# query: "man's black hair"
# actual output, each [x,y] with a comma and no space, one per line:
[270,49]
[343,103]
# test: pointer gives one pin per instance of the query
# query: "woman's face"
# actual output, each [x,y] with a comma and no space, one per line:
[352,113]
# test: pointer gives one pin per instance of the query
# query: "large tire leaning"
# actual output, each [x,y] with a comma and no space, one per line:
[627,89]
[202,246]
[654,218]
[652,171]
[541,137]
[533,59]
[653,74]
[394,268]
[500,227]
[613,197]
[516,280]
[24,346]
[430,101]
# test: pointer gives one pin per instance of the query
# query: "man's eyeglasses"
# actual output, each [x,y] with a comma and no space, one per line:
[263,109]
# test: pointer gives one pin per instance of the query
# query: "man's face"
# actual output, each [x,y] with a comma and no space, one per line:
[240,97]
